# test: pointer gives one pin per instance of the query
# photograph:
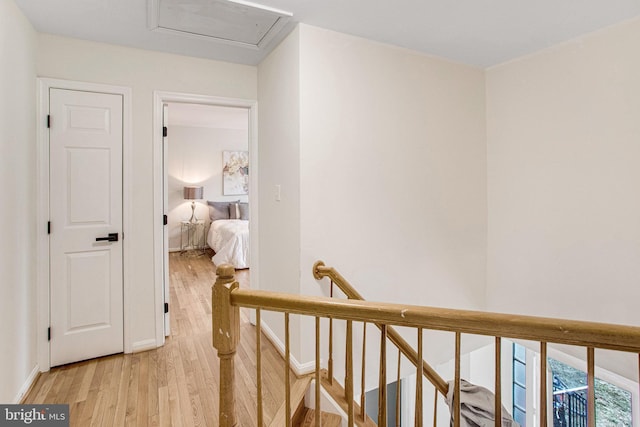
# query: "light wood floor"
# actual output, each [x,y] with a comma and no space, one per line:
[177,384]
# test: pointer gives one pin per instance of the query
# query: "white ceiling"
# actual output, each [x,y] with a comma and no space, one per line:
[475,32]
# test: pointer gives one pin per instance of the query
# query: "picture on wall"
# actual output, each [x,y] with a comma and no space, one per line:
[235,173]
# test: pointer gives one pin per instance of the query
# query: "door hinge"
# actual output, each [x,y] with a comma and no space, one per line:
[166,307]
[165,220]
[164,131]
[48,121]
[48,227]
[49,334]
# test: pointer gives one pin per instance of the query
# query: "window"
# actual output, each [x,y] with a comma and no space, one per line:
[519,384]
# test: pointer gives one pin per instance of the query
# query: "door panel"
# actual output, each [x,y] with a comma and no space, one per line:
[89,299]
[85,204]
[88,198]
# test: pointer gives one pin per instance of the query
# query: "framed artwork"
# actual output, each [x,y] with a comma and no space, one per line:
[235,173]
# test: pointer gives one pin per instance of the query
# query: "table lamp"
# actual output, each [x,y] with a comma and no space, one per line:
[193,193]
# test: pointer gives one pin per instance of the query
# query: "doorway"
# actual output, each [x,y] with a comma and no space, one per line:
[171,179]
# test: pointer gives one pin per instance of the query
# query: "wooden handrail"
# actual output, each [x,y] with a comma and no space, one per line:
[572,332]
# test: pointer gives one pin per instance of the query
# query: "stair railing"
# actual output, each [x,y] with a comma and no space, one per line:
[320,271]
[227,298]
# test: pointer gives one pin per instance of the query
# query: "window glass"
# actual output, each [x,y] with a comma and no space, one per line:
[519,416]
[613,404]
[519,373]
[519,352]
[520,397]
[519,384]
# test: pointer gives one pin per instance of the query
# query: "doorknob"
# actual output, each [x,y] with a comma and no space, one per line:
[112,237]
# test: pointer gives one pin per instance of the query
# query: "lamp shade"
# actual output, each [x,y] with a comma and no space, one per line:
[192,193]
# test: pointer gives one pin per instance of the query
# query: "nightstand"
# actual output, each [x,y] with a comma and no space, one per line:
[192,236]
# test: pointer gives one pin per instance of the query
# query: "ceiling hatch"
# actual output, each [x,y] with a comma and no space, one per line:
[233,22]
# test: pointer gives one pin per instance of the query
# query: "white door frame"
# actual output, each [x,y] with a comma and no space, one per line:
[160,98]
[42,207]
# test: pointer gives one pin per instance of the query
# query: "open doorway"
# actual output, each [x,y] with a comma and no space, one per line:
[207,193]
[204,142]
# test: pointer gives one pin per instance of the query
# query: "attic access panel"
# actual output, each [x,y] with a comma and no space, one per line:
[229,21]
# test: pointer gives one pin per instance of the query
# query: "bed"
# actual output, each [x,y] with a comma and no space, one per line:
[228,234]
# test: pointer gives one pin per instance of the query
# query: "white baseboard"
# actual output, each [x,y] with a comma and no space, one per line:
[144,345]
[298,368]
[31,379]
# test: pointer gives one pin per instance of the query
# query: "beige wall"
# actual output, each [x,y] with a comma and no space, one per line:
[18,212]
[393,169]
[563,154]
[144,72]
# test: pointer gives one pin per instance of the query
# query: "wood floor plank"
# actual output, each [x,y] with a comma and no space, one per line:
[123,392]
[152,388]
[42,387]
[99,375]
[111,390]
[64,389]
[97,410]
[132,397]
[164,411]
[89,405]
[142,407]
[86,380]
[76,376]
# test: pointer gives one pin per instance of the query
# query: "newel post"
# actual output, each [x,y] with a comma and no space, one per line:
[226,336]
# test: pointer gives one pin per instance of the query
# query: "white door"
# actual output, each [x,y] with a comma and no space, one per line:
[85,209]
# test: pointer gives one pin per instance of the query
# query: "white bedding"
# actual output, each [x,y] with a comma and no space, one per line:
[229,238]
